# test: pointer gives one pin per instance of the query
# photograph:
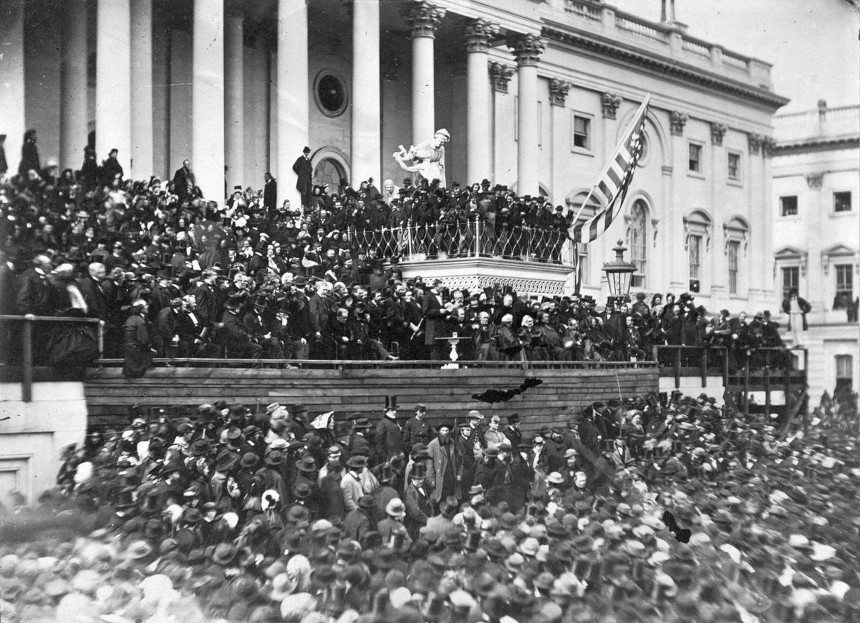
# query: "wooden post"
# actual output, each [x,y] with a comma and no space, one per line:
[101,339]
[787,384]
[704,365]
[726,367]
[747,388]
[27,359]
[677,368]
[767,393]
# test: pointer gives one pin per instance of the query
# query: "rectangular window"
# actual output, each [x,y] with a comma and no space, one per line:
[581,132]
[695,152]
[842,201]
[734,167]
[788,205]
[844,285]
[734,249]
[695,251]
[790,280]
[844,373]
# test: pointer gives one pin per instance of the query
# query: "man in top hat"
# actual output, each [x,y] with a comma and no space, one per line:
[435,315]
[388,436]
[419,506]
[304,176]
[270,192]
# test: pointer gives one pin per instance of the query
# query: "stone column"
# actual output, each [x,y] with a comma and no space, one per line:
[12,84]
[113,81]
[292,94]
[142,155]
[366,131]
[234,108]
[479,33]
[678,253]
[527,50]
[73,86]
[207,95]
[423,18]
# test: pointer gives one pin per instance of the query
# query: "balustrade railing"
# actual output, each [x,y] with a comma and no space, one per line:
[473,239]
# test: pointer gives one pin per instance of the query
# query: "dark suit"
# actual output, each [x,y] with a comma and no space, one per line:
[94,296]
[302,168]
[270,194]
[434,322]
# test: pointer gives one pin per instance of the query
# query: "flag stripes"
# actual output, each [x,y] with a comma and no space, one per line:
[613,183]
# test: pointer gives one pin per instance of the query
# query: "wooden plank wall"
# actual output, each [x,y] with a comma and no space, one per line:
[447,393]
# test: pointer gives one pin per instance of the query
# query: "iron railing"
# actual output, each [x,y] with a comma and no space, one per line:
[475,238]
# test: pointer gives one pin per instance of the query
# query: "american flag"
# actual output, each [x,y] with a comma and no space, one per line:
[614,180]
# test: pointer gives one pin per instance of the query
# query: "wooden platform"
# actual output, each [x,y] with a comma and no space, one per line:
[447,393]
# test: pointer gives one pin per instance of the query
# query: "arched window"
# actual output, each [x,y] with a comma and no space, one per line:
[637,242]
[329,171]
[736,232]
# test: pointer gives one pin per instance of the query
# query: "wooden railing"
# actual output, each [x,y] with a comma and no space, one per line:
[27,323]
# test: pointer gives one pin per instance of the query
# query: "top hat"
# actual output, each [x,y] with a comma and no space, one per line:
[391,403]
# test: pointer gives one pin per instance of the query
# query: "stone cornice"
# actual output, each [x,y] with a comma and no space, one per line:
[612,49]
[809,147]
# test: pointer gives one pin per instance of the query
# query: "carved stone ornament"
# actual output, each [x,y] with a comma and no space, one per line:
[558,91]
[767,146]
[718,132]
[754,142]
[422,17]
[730,234]
[479,33]
[689,232]
[610,103]
[527,49]
[678,120]
[655,229]
[500,76]
[814,180]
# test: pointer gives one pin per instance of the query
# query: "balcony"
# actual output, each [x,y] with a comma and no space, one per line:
[667,41]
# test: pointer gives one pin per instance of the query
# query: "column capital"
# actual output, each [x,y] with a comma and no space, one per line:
[422,17]
[754,142]
[610,102]
[767,146]
[678,120]
[479,33]
[527,49]
[558,90]
[718,131]
[500,75]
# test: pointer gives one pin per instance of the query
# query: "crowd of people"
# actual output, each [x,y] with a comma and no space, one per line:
[173,275]
[647,509]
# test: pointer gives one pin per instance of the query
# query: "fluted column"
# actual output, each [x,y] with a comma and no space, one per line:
[423,18]
[73,86]
[479,33]
[234,109]
[292,96]
[113,81]
[142,156]
[207,95]
[366,116]
[527,50]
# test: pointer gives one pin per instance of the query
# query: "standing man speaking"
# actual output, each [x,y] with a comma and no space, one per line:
[302,169]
